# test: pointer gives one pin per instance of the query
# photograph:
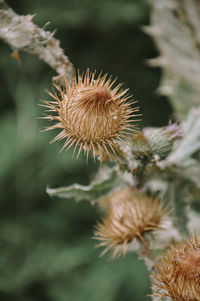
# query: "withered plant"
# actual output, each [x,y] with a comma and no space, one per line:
[149,194]
[95,116]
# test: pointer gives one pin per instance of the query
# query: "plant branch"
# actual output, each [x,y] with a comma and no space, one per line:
[21,34]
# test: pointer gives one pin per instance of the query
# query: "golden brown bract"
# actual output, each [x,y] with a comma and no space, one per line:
[178,272]
[91,115]
[130,215]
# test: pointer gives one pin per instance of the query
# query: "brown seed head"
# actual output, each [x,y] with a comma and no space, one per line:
[178,272]
[130,215]
[91,115]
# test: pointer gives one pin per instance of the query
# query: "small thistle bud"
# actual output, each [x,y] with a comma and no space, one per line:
[130,215]
[178,272]
[160,141]
[91,115]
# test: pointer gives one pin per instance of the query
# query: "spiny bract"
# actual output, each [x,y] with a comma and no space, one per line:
[130,215]
[178,272]
[90,114]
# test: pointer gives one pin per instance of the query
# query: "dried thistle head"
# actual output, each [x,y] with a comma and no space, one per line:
[130,215]
[178,272]
[91,115]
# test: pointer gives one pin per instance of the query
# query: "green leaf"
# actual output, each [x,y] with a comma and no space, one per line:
[104,182]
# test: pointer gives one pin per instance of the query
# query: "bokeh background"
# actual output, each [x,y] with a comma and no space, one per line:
[46,250]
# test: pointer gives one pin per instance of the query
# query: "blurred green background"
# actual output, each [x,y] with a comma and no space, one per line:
[46,249]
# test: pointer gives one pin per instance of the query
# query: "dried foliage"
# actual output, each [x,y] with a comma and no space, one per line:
[131,214]
[91,115]
[178,272]
[94,116]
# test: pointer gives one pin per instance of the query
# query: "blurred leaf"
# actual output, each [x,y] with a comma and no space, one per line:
[190,143]
[175,28]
